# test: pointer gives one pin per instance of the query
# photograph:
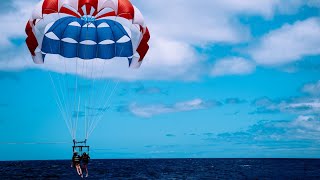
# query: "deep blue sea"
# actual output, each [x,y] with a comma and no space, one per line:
[167,169]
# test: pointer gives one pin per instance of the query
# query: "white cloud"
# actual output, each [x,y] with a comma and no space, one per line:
[167,58]
[205,21]
[171,59]
[232,66]
[157,109]
[289,43]
[299,106]
[278,133]
[201,22]
[307,122]
[308,104]
[14,21]
[313,89]
[175,27]
[314,3]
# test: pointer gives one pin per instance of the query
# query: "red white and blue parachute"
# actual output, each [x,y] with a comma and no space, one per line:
[73,37]
[87,30]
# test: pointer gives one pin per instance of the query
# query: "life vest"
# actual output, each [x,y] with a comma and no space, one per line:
[85,158]
[76,159]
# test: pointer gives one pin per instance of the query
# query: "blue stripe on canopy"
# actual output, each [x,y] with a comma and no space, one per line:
[71,37]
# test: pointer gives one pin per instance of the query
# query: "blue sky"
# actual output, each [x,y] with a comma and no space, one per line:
[221,79]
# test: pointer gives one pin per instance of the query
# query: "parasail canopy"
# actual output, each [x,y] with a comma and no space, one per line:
[87,29]
[81,34]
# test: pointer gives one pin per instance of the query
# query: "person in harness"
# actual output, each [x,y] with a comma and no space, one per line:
[76,163]
[85,160]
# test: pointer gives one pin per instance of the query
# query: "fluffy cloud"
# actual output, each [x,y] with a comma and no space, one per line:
[297,106]
[193,22]
[157,109]
[308,123]
[232,66]
[209,21]
[168,58]
[313,89]
[289,43]
[302,132]
[304,105]
[314,3]
[14,19]
[175,28]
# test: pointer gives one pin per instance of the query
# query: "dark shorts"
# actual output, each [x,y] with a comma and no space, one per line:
[76,164]
[84,165]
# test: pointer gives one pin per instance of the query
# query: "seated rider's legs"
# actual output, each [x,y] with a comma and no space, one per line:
[79,171]
[85,166]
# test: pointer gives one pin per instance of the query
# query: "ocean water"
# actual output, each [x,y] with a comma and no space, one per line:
[167,169]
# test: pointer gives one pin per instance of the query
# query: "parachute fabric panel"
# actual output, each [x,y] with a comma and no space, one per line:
[121,17]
